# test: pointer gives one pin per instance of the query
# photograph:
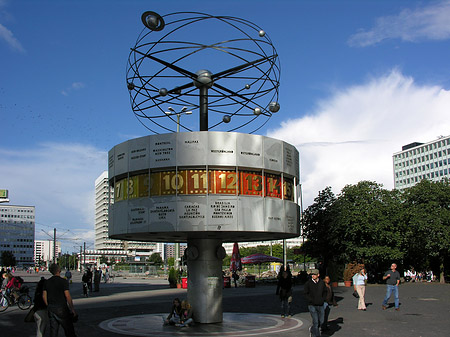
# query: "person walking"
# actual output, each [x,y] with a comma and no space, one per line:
[59,303]
[40,309]
[330,301]
[284,290]
[316,294]
[392,278]
[359,284]
[84,280]
[68,276]
[96,280]
[90,277]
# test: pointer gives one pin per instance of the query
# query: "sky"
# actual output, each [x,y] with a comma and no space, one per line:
[359,79]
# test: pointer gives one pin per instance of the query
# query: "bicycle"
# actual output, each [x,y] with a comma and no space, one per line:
[23,302]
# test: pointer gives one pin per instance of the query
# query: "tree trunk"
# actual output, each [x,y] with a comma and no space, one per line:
[441,269]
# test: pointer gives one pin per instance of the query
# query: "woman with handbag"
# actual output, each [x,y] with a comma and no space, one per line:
[359,284]
[40,309]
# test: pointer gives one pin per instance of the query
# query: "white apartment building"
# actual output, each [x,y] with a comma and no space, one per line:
[103,195]
[43,251]
[17,232]
[419,161]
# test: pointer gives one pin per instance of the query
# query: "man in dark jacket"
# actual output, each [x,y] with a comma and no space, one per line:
[316,294]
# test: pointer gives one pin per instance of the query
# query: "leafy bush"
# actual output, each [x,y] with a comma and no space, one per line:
[351,269]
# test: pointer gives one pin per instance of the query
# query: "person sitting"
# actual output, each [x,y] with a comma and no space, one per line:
[175,313]
[186,315]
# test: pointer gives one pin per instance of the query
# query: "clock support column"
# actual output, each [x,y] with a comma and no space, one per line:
[205,281]
[203,108]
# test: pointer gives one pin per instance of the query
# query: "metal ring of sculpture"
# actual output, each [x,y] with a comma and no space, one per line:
[168,68]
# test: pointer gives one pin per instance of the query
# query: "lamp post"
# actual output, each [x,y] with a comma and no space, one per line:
[178,114]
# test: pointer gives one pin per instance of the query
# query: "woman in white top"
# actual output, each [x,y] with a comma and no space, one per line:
[359,283]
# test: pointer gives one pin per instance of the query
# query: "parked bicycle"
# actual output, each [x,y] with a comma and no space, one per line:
[23,301]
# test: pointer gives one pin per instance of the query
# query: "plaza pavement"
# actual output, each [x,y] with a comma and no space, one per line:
[135,307]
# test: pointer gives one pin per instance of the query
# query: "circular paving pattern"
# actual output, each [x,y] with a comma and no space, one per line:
[234,324]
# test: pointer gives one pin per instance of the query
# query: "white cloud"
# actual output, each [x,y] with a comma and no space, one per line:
[352,135]
[8,36]
[426,23]
[59,180]
[72,87]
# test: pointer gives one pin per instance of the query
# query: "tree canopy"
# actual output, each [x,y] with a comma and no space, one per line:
[8,259]
[376,226]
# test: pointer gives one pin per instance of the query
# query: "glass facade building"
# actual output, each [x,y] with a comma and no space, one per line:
[17,232]
[419,161]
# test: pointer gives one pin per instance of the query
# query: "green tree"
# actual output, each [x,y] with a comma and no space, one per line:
[428,218]
[171,261]
[226,261]
[67,261]
[367,225]
[103,259]
[317,222]
[8,259]
[156,259]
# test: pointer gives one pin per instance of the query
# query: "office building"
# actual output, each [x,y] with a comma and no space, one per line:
[103,196]
[419,161]
[44,251]
[17,232]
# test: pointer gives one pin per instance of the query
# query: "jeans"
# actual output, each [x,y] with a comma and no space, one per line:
[317,315]
[285,307]
[189,321]
[389,290]
[326,310]
[41,318]
[60,316]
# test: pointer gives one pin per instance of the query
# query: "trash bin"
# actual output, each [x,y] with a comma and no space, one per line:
[184,282]
[250,281]
[227,282]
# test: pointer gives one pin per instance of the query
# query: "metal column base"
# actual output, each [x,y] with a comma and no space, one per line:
[205,279]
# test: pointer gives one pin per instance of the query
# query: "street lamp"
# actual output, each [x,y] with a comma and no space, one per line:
[178,114]
[171,112]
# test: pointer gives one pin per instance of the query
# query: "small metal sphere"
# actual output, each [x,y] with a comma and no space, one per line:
[247,86]
[257,111]
[204,79]
[226,119]
[130,85]
[262,33]
[274,107]
[163,92]
[153,21]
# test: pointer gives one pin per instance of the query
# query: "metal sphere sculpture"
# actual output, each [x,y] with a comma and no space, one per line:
[225,68]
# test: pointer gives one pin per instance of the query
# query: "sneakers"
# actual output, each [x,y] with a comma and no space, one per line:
[383,307]
[397,309]
[289,316]
[282,316]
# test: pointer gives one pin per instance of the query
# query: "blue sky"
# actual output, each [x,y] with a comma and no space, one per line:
[359,79]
